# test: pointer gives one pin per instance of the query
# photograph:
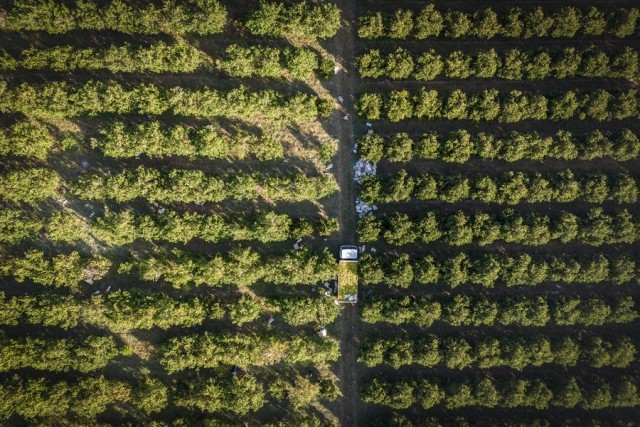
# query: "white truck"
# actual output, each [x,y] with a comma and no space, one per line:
[348,275]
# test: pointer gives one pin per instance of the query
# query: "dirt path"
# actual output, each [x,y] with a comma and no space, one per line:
[346,324]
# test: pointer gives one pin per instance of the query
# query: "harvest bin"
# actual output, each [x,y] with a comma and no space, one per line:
[348,275]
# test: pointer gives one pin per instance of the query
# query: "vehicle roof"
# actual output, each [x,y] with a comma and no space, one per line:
[348,252]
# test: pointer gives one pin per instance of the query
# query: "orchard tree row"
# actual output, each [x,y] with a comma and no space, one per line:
[60,270]
[537,420]
[506,107]
[513,64]
[517,23]
[61,99]
[240,266]
[155,140]
[243,395]
[201,17]
[82,400]
[184,186]
[31,138]
[41,400]
[509,188]
[301,20]
[595,228]
[460,146]
[58,355]
[31,185]
[463,310]
[159,57]
[164,186]
[265,61]
[588,393]
[197,351]
[122,140]
[208,350]
[179,57]
[129,310]
[516,352]
[489,269]
[127,226]
[119,139]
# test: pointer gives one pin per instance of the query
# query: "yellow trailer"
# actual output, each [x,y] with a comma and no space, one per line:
[348,275]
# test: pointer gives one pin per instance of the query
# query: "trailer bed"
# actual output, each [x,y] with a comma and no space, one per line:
[348,282]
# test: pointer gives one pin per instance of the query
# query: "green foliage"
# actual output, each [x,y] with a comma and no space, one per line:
[595,228]
[428,66]
[183,186]
[372,147]
[489,269]
[152,139]
[400,24]
[242,267]
[29,185]
[370,26]
[207,350]
[399,148]
[131,310]
[264,61]
[126,227]
[565,22]
[240,395]
[515,352]
[371,64]
[509,392]
[38,398]
[512,65]
[507,188]
[370,105]
[159,57]
[15,226]
[399,64]
[304,394]
[301,311]
[202,17]
[60,99]
[622,22]
[456,24]
[509,107]
[428,23]
[58,271]
[61,227]
[462,310]
[30,138]
[150,396]
[44,309]
[245,310]
[301,20]
[58,355]
[127,310]
[398,106]
[7,62]
[396,395]
[327,226]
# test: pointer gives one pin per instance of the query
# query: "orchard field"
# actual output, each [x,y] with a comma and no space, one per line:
[177,177]
[505,278]
[160,161]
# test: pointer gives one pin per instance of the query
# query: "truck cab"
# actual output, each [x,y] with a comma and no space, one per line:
[348,275]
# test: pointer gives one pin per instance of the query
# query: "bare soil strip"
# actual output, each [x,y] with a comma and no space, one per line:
[346,323]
